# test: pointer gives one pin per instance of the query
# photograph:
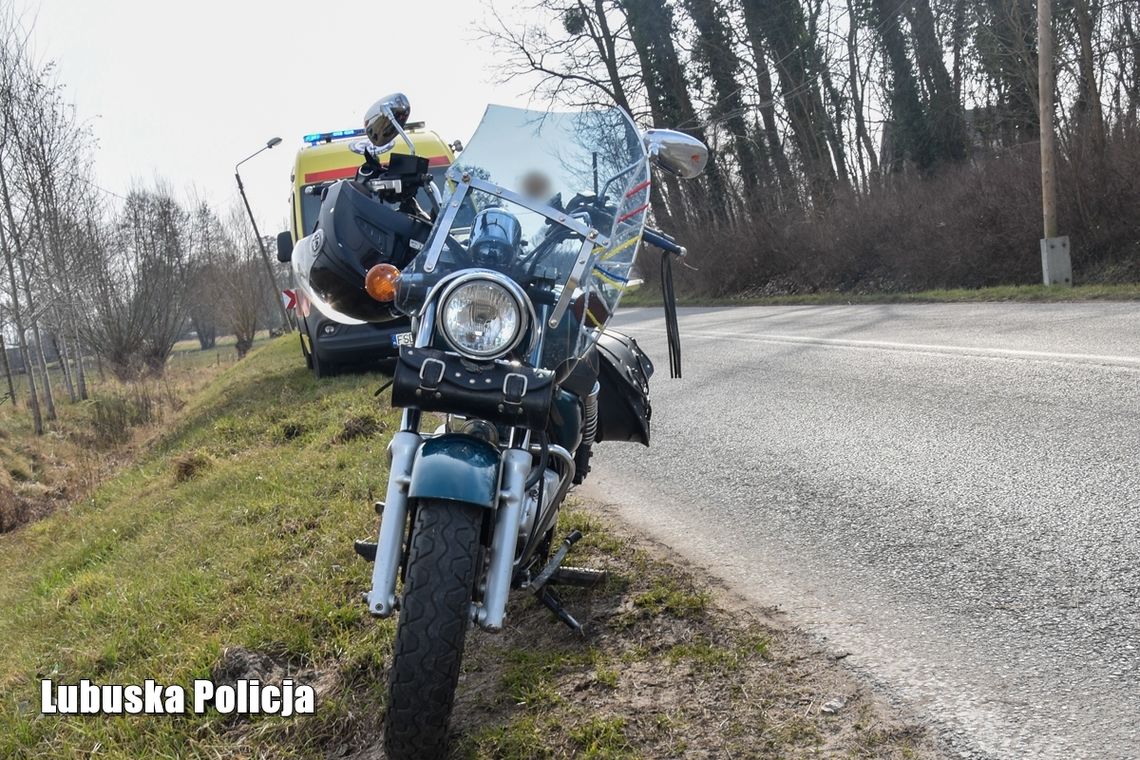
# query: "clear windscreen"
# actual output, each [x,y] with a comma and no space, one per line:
[555,201]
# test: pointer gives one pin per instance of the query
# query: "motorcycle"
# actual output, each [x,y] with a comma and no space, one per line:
[510,295]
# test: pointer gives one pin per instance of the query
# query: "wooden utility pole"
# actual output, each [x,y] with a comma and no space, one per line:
[1056,264]
[1045,88]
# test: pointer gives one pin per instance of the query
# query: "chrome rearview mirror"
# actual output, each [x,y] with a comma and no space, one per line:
[676,152]
[385,120]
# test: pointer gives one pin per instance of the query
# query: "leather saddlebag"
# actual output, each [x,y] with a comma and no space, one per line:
[623,397]
[440,381]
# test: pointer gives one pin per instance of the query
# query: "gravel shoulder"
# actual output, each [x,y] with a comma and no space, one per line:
[673,664]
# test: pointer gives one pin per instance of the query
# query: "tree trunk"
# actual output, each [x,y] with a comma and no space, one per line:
[1132,115]
[49,397]
[607,49]
[1090,120]
[863,140]
[60,345]
[25,354]
[8,371]
[26,280]
[945,123]
[51,259]
[781,23]
[80,371]
[835,128]
[910,136]
[958,35]
[768,114]
[16,309]
[714,52]
[652,31]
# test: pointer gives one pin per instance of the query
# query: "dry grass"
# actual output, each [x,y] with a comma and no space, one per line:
[92,439]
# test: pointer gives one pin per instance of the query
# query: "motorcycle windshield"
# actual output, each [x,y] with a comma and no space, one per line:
[554,201]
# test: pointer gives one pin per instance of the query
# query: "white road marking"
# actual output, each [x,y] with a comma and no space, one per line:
[980,351]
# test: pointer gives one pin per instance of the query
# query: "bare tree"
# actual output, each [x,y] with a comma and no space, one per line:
[207,273]
[139,299]
[783,26]
[242,302]
[13,44]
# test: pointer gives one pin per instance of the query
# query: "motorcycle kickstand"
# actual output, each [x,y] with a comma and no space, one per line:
[555,574]
[552,574]
[555,561]
[554,604]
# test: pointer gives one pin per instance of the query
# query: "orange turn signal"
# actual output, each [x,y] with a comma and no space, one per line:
[381,281]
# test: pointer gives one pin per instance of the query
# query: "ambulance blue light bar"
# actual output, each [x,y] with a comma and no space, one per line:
[319,137]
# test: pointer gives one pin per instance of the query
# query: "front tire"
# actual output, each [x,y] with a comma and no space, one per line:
[434,617]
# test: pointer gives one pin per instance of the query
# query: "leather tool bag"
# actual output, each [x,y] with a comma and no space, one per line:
[623,395]
[500,392]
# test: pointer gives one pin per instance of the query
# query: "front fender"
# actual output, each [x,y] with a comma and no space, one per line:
[456,467]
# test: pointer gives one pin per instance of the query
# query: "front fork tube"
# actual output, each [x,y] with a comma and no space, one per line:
[390,544]
[500,565]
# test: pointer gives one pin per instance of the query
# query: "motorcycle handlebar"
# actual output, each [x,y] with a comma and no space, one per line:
[415,285]
[663,241]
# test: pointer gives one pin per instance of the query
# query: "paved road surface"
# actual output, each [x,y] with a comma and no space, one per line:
[949,492]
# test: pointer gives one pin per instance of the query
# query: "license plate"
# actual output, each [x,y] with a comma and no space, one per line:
[402,339]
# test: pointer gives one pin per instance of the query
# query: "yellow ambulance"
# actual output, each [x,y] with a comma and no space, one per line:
[325,158]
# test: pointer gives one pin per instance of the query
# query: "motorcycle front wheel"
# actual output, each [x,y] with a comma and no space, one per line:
[434,616]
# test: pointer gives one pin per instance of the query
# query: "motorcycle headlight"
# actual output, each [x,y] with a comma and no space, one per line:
[482,319]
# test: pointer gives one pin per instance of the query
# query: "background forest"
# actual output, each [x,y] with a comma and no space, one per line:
[862,145]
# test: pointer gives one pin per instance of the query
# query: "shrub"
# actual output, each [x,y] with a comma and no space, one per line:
[115,414]
[969,226]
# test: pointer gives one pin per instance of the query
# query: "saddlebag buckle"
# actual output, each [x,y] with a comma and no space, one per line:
[514,388]
[431,373]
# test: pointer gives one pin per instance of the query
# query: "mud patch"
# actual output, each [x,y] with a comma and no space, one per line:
[358,426]
[20,509]
[239,663]
[190,465]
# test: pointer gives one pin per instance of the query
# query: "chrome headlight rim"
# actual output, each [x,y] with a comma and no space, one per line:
[527,317]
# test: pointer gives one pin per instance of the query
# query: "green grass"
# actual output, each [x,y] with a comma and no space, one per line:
[529,676]
[603,739]
[519,739]
[234,529]
[723,657]
[670,596]
[166,565]
[1025,293]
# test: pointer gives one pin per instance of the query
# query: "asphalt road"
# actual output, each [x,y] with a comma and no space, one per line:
[950,493]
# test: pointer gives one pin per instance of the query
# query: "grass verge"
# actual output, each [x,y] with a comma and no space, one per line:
[92,438]
[1018,293]
[225,552]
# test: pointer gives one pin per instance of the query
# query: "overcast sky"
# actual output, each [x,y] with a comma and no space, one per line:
[184,90]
